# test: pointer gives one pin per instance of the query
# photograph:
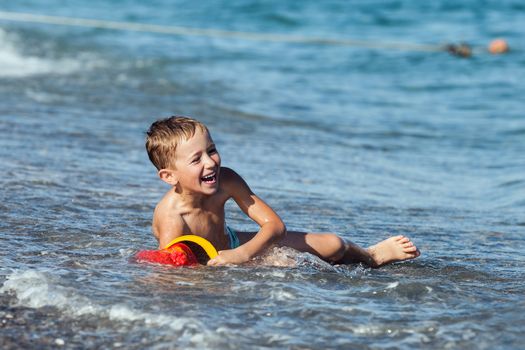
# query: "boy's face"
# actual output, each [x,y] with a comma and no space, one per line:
[197,164]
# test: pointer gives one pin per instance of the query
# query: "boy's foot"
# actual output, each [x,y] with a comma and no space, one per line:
[397,248]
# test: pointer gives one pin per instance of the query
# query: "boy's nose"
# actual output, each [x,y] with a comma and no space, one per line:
[208,161]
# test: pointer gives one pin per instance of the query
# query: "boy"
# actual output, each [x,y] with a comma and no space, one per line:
[186,158]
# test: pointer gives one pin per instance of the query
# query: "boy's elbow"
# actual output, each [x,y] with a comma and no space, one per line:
[280,230]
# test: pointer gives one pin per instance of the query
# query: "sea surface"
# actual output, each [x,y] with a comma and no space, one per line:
[363,139]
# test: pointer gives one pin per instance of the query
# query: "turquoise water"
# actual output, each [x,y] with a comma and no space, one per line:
[363,142]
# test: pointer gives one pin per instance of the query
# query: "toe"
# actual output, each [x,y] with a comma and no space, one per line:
[414,254]
[410,249]
[404,239]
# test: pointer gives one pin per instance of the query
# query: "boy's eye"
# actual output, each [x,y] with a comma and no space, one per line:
[195,160]
[212,150]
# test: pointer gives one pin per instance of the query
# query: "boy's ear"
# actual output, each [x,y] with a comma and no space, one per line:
[168,176]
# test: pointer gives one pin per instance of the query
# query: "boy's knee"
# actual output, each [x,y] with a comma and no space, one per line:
[335,246]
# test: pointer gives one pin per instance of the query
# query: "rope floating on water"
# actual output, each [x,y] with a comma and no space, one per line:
[215,33]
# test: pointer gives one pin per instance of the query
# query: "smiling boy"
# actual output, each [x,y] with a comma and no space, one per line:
[187,159]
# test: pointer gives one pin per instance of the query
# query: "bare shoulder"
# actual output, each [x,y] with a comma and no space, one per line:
[231,182]
[228,174]
[167,220]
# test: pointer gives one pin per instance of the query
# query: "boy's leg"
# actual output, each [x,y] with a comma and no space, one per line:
[332,248]
[327,246]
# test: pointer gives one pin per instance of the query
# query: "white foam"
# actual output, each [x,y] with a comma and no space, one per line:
[279,257]
[36,289]
[288,257]
[42,97]
[13,63]
[281,295]
[122,312]
[392,285]
[127,252]
[370,330]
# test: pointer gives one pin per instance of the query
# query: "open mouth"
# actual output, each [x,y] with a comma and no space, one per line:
[209,179]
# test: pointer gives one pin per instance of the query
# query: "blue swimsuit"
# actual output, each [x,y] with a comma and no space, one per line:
[232,235]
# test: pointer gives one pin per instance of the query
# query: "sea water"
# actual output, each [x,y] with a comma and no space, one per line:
[365,142]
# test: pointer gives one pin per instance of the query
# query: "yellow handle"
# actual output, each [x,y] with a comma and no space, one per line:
[203,242]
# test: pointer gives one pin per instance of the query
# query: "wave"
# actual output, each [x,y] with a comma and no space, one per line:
[36,289]
[15,64]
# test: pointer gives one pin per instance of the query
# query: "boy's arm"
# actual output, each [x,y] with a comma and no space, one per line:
[271,229]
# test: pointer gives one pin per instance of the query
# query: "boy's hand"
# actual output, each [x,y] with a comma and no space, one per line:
[228,257]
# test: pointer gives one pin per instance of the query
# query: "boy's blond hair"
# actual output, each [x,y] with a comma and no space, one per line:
[164,135]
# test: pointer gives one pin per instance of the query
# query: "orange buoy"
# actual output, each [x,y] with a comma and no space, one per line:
[498,46]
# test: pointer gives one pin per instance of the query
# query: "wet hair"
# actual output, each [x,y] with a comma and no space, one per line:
[164,135]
